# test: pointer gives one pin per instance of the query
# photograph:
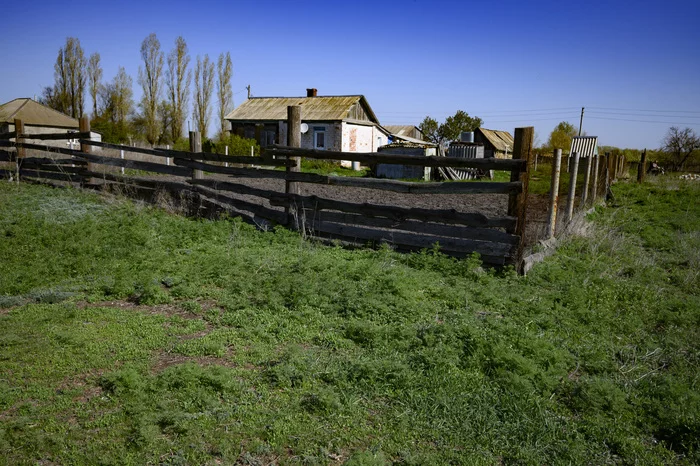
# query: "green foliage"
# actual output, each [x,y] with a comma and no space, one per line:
[161,339]
[237,145]
[451,129]
[560,137]
[120,132]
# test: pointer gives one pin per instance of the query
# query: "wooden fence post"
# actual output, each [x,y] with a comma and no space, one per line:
[596,167]
[84,127]
[196,147]
[293,140]
[572,188]
[517,203]
[21,151]
[554,193]
[586,180]
[642,170]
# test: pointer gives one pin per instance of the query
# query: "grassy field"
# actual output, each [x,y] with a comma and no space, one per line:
[129,335]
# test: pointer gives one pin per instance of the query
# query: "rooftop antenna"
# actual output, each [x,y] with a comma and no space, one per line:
[580,125]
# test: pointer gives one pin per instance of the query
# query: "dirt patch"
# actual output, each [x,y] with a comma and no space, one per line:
[167,310]
[164,360]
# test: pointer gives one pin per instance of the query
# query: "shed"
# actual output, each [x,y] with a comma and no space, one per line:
[498,144]
[394,171]
[402,131]
[584,146]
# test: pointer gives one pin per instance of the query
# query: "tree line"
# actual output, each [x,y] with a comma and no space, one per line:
[165,80]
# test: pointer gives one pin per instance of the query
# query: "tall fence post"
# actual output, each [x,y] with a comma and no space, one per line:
[196,147]
[608,174]
[554,193]
[586,180]
[642,170]
[21,151]
[84,127]
[572,187]
[596,174]
[293,140]
[517,202]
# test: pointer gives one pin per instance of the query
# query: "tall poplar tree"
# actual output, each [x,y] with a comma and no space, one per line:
[150,80]
[224,91]
[94,71]
[203,87]
[178,79]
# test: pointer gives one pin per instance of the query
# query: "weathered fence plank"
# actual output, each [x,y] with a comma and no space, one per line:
[134,164]
[378,157]
[56,136]
[235,188]
[370,183]
[169,153]
[437,229]
[397,213]
[413,239]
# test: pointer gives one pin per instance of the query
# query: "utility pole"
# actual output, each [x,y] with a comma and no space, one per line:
[580,125]
[248,87]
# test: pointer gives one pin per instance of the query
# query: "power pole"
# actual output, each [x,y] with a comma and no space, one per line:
[248,87]
[580,125]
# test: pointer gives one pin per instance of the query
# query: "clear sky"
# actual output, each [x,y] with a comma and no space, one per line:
[634,66]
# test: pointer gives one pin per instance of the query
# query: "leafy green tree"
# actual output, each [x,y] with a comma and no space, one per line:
[116,109]
[561,136]
[451,129]
[429,128]
[454,125]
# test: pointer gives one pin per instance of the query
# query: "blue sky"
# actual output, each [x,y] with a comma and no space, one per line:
[635,66]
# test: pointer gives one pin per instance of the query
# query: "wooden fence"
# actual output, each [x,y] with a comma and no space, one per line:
[498,239]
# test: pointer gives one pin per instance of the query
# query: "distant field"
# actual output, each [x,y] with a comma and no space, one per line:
[129,335]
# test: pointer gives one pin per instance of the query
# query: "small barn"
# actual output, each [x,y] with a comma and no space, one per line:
[498,144]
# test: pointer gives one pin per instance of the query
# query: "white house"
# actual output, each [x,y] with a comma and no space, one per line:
[338,123]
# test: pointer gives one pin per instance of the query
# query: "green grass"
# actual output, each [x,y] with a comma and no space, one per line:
[133,336]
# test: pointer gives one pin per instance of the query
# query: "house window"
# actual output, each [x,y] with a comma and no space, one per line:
[319,137]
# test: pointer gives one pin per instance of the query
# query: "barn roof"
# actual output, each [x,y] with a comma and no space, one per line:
[35,114]
[498,139]
[322,108]
[402,130]
[585,146]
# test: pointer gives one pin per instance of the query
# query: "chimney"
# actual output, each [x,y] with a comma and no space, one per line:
[311,92]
